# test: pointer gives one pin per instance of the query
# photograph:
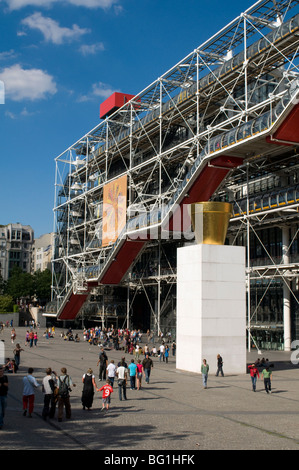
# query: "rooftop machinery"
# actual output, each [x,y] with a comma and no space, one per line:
[229,102]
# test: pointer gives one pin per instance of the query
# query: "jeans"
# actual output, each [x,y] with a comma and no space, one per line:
[49,406]
[253,380]
[102,372]
[111,380]
[205,379]
[267,383]
[3,402]
[147,375]
[132,381]
[17,360]
[122,390]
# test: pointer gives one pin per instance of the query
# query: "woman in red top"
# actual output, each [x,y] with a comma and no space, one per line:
[254,374]
[139,373]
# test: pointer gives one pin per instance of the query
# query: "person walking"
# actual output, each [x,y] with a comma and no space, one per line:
[205,372]
[64,382]
[13,335]
[31,338]
[162,351]
[121,373]
[49,385]
[254,374]
[103,361]
[111,370]
[3,395]
[132,372]
[17,354]
[29,385]
[147,366]
[267,376]
[166,354]
[219,366]
[140,373]
[106,397]
[89,385]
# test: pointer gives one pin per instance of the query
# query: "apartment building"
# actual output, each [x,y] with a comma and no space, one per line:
[42,252]
[16,246]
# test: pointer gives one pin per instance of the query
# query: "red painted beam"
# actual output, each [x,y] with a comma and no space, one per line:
[123,260]
[204,187]
[72,307]
[288,131]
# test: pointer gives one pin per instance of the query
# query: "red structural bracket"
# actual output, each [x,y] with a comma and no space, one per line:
[288,132]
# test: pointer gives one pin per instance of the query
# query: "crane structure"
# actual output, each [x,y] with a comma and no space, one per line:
[218,120]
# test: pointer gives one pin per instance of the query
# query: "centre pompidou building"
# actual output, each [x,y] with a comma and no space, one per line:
[222,124]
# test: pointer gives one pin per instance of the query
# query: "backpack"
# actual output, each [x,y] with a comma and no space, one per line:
[63,388]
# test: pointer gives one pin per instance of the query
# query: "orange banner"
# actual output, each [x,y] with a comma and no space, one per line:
[114,209]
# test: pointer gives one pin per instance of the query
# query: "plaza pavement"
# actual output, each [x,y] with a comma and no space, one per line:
[172,413]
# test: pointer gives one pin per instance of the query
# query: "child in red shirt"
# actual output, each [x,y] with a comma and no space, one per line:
[106,397]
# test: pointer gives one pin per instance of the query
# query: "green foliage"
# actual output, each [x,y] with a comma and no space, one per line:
[42,281]
[2,285]
[21,284]
[6,304]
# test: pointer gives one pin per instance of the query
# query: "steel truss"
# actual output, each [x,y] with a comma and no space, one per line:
[265,197]
[222,98]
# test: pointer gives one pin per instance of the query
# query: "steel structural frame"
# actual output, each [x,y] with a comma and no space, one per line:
[252,221]
[226,104]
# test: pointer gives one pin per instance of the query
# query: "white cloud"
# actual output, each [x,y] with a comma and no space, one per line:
[93,3]
[27,84]
[7,55]
[23,113]
[51,30]
[102,89]
[18,4]
[91,49]
[99,89]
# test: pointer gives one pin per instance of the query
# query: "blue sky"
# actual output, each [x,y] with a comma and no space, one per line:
[59,59]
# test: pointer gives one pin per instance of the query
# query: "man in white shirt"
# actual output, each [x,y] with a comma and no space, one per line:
[111,371]
[49,385]
[121,373]
[162,350]
[30,384]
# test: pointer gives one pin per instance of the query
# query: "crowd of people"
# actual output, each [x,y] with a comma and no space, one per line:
[56,388]
[128,341]
[260,364]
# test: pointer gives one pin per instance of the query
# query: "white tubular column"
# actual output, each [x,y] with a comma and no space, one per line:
[286,292]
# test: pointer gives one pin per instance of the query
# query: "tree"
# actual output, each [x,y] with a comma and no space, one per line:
[42,281]
[6,303]
[20,284]
[2,285]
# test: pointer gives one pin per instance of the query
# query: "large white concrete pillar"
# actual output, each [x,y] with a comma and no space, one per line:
[211,307]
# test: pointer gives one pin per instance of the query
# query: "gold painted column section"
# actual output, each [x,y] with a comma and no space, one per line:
[210,221]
